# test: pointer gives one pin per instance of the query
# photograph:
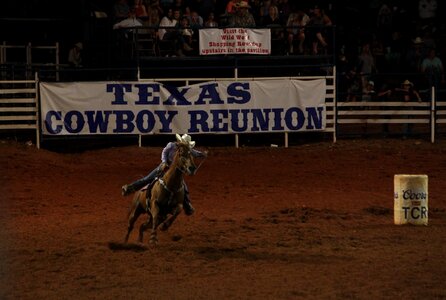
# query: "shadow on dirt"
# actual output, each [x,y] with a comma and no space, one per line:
[243,253]
[378,211]
[115,246]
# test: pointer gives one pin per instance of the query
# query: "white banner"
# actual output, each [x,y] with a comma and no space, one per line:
[208,107]
[234,41]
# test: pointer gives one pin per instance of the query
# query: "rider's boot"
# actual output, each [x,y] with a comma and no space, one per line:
[187,206]
[127,189]
[140,183]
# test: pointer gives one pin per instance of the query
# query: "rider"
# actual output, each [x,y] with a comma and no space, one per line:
[167,157]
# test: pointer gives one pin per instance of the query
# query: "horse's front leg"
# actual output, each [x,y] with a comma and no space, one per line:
[166,224]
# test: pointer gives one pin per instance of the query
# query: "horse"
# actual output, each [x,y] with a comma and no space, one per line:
[163,199]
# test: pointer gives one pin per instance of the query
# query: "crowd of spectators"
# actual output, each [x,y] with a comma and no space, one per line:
[392,42]
[296,29]
[367,39]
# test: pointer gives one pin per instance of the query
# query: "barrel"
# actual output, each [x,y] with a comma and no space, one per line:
[411,199]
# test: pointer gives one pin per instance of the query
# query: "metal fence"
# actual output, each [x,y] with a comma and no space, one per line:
[19,106]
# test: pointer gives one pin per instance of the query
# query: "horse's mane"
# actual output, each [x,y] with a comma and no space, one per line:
[181,145]
[178,151]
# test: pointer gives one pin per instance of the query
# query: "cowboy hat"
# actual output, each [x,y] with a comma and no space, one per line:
[242,4]
[407,82]
[418,40]
[185,139]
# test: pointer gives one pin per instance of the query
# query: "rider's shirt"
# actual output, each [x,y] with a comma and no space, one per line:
[168,153]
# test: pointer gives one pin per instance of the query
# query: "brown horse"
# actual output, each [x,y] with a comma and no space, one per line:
[166,196]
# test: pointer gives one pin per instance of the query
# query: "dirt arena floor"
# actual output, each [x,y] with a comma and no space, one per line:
[313,221]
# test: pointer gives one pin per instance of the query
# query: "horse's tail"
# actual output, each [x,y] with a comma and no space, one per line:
[135,204]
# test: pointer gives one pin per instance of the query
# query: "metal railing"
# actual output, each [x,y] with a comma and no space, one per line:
[31,57]
[19,106]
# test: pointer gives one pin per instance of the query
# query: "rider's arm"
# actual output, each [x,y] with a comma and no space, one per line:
[197,153]
[167,153]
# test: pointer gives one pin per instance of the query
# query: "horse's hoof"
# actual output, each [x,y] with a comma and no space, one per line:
[153,240]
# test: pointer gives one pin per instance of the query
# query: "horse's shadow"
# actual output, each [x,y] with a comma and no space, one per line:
[135,247]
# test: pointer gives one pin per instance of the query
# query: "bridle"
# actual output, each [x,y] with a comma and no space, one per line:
[181,166]
[183,170]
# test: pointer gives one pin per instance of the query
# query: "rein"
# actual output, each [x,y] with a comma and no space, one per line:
[201,162]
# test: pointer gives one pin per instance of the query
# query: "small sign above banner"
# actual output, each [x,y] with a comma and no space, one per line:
[235,41]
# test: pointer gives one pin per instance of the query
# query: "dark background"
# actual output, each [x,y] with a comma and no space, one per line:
[68,22]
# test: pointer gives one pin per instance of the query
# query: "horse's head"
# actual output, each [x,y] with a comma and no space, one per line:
[185,161]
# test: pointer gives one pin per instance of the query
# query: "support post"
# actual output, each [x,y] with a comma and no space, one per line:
[38,131]
[433,121]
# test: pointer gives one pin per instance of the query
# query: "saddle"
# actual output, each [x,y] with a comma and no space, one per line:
[149,187]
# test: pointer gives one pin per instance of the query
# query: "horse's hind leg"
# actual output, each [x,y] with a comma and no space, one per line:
[134,213]
[144,226]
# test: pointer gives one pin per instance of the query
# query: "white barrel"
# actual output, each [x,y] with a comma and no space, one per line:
[411,199]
